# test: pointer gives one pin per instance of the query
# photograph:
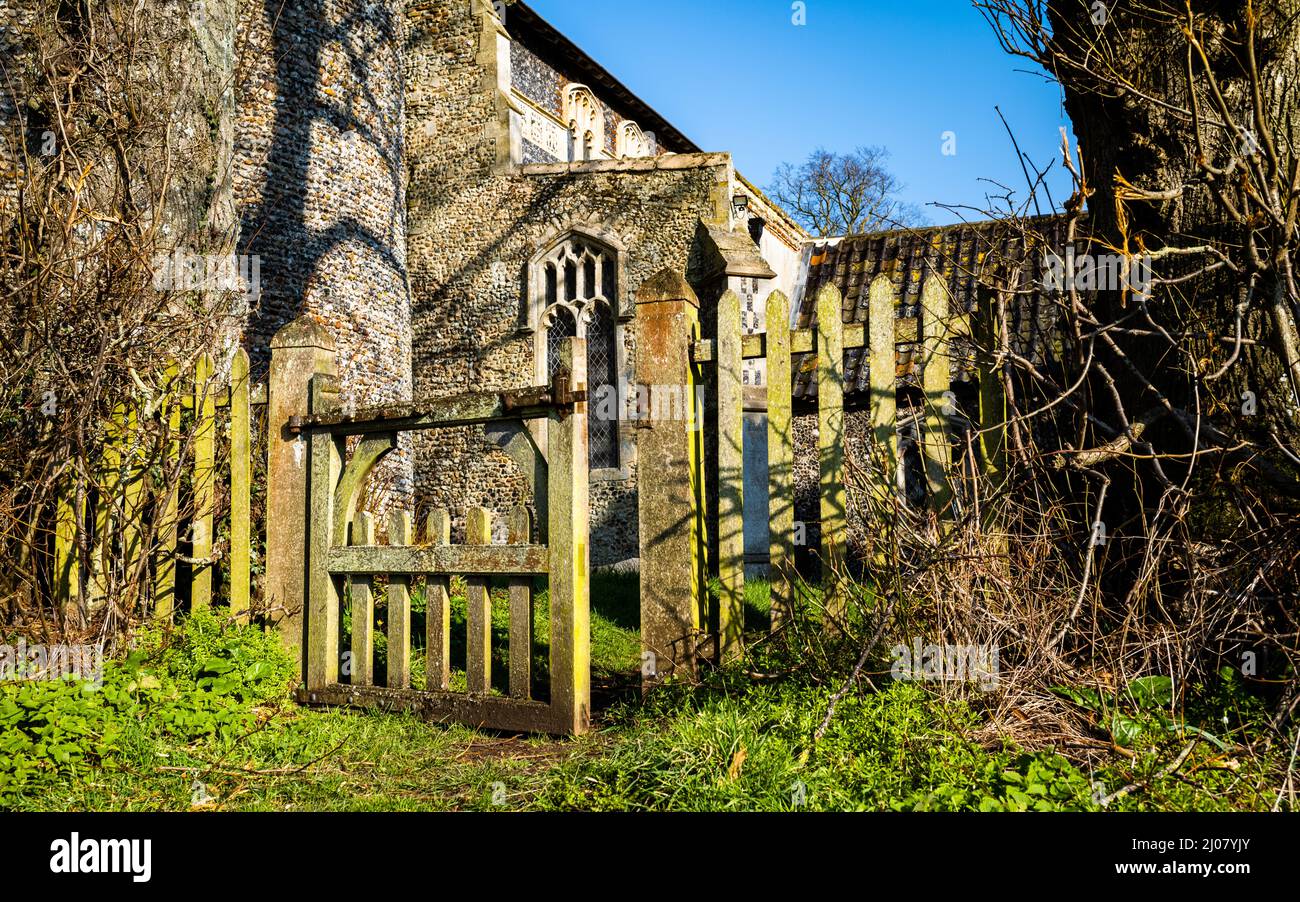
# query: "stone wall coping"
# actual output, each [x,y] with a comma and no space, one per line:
[304,332]
[666,285]
[670,161]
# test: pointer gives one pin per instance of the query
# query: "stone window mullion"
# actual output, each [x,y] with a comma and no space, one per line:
[581,299]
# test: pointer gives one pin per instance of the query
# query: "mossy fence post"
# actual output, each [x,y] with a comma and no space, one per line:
[670,477]
[300,351]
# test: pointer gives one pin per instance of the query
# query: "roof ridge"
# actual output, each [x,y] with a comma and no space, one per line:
[976,225]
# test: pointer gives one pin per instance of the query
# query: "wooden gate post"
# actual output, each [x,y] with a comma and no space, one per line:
[299,351]
[669,485]
[323,590]
[569,552]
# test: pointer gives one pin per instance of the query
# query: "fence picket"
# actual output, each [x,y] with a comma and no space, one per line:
[993,402]
[937,379]
[478,655]
[882,338]
[884,404]
[363,608]
[780,457]
[168,509]
[133,503]
[240,487]
[437,617]
[731,477]
[399,608]
[101,549]
[201,526]
[67,560]
[521,611]
[830,440]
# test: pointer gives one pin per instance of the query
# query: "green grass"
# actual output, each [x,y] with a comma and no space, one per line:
[615,633]
[211,704]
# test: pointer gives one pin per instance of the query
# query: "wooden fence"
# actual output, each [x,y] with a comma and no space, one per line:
[157,484]
[831,338]
[343,554]
[179,466]
[717,364]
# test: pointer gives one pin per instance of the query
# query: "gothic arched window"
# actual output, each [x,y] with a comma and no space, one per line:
[576,289]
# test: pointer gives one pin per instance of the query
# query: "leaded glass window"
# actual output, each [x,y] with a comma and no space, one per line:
[602,376]
[579,288]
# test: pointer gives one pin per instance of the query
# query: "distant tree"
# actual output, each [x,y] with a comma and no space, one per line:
[843,194]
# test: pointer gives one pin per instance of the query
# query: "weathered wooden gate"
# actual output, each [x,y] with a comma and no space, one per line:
[342,549]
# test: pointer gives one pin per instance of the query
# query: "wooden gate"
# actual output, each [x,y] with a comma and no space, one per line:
[342,550]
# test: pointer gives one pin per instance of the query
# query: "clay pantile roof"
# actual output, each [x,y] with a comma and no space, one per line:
[956,254]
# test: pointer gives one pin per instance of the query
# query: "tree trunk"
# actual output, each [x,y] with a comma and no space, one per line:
[1131,112]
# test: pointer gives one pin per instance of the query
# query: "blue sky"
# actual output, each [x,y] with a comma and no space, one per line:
[737,75]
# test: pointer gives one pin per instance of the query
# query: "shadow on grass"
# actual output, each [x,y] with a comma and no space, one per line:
[615,635]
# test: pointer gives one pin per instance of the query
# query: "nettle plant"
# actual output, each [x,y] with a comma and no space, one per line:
[201,683]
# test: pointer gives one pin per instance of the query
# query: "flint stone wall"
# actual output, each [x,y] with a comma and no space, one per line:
[320,183]
[476,220]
